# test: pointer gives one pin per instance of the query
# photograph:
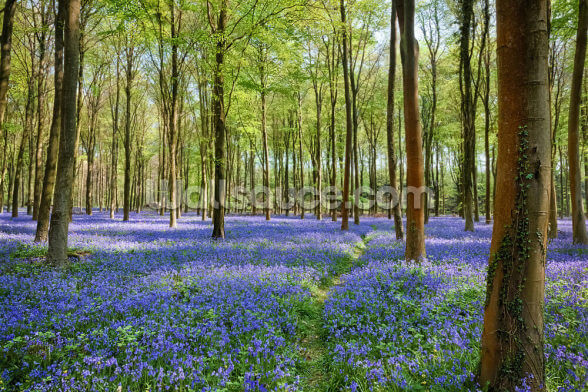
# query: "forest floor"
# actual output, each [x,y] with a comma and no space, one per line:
[284,305]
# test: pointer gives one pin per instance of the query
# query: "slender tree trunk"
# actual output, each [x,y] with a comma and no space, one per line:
[486,101]
[585,138]
[90,171]
[262,79]
[127,137]
[301,161]
[28,129]
[512,339]
[41,85]
[578,219]
[5,50]
[114,144]
[319,172]
[57,253]
[415,212]
[333,62]
[54,133]
[348,122]
[173,121]
[395,207]
[467,111]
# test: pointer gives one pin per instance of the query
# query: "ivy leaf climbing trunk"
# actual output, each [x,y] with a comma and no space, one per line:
[512,338]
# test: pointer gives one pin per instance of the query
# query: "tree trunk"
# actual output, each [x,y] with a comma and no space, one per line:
[127,139]
[319,172]
[467,110]
[512,339]
[348,123]
[218,98]
[5,50]
[333,62]
[486,102]
[54,133]
[395,207]
[578,219]
[28,129]
[41,86]
[301,161]
[415,212]
[114,144]
[57,253]
[262,79]
[173,123]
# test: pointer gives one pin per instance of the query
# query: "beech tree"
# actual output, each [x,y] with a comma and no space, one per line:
[578,220]
[391,151]
[512,338]
[55,130]
[415,208]
[58,230]
[5,51]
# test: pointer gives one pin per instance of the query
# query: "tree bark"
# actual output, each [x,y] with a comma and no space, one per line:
[127,137]
[218,103]
[262,80]
[348,122]
[578,219]
[512,338]
[467,110]
[28,130]
[41,86]
[415,212]
[57,252]
[5,50]
[114,143]
[54,133]
[395,207]
[300,156]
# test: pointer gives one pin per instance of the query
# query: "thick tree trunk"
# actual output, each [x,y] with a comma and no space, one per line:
[54,133]
[512,339]
[415,212]
[57,253]
[395,207]
[348,122]
[578,219]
